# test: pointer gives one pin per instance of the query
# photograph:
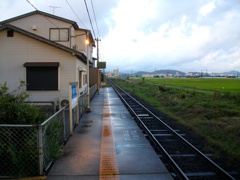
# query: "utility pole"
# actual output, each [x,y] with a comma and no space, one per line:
[88,87]
[99,76]
[98,49]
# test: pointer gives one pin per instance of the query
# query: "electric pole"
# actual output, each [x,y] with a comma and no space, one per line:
[98,49]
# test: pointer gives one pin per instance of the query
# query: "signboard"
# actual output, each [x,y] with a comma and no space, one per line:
[101,65]
[74,99]
[73,102]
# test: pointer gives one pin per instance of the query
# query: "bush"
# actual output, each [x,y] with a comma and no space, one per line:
[18,145]
[14,110]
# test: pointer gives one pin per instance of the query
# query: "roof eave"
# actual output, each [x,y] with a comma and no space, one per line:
[42,13]
[78,54]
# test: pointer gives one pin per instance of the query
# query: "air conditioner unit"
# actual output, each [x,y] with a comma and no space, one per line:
[63,102]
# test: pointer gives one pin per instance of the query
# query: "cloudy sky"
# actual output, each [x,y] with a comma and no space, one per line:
[148,35]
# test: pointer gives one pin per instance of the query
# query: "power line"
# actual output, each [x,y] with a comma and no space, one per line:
[46,17]
[32,5]
[89,18]
[75,13]
[99,50]
[95,18]
[78,18]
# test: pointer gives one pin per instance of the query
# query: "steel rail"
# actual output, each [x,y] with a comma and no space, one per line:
[168,157]
[175,166]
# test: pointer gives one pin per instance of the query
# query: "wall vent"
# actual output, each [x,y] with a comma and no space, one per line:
[34,27]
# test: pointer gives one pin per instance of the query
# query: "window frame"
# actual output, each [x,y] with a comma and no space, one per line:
[80,74]
[43,76]
[60,32]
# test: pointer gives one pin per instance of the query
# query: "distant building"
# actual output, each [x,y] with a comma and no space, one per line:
[147,75]
[109,74]
[115,73]
[177,74]
[189,74]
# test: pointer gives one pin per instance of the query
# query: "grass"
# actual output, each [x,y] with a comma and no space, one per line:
[214,116]
[211,84]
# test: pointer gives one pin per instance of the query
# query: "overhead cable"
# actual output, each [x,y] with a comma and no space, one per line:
[32,5]
[75,13]
[89,18]
[95,18]
[101,54]
[100,49]
[46,17]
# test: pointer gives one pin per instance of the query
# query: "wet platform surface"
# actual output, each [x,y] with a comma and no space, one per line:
[108,144]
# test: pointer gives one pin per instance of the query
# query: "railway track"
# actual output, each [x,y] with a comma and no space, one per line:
[182,159]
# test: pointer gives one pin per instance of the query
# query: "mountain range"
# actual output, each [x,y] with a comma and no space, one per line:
[170,71]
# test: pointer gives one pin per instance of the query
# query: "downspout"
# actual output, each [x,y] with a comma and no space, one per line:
[70,36]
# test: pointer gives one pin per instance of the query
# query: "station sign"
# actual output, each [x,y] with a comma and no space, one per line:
[101,65]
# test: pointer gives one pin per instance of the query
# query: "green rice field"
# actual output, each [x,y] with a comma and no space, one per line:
[211,84]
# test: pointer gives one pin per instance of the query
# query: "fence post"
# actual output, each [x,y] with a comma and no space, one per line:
[40,150]
[77,114]
[64,125]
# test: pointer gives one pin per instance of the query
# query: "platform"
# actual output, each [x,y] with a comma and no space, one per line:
[108,144]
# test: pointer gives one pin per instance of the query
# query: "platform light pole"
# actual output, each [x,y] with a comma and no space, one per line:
[88,88]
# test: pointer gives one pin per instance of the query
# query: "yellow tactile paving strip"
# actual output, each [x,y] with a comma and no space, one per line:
[108,160]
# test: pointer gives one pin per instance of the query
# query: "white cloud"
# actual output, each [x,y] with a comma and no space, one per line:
[185,43]
[169,44]
[148,34]
[207,8]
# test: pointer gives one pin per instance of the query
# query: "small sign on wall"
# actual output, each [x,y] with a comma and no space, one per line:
[73,102]
[74,97]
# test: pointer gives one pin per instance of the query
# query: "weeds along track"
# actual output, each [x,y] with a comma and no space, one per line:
[181,158]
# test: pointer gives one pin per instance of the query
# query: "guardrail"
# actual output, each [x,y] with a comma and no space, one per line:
[29,150]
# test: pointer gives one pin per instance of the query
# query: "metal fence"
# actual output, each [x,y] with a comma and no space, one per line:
[29,150]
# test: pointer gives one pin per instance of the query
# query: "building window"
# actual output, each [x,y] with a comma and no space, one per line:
[10,33]
[42,76]
[80,79]
[85,79]
[59,34]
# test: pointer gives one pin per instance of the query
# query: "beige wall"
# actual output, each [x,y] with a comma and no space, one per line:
[17,50]
[43,25]
[82,68]
[80,37]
